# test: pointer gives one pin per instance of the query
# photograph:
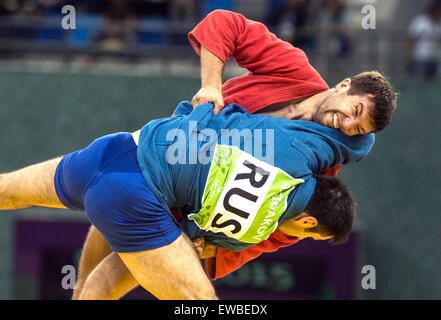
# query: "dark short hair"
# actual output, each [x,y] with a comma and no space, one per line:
[333,205]
[383,96]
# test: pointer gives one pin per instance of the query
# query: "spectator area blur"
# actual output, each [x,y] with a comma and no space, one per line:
[107,24]
[330,31]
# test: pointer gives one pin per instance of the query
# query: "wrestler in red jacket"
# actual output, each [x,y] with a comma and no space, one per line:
[277,72]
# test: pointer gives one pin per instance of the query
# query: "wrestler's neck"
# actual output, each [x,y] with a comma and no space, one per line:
[297,109]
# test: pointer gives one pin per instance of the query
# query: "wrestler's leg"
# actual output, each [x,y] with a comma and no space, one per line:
[30,186]
[110,280]
[95,249]
[171,272]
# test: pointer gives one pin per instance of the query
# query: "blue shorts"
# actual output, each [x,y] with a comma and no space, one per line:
[105,180]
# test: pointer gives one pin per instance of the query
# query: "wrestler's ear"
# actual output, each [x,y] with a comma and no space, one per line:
[343,85]
[306,221]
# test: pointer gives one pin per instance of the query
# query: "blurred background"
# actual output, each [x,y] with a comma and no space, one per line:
[128,62]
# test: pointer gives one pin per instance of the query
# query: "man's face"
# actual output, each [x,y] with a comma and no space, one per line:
[348,113]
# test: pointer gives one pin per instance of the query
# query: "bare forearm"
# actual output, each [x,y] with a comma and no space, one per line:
[211,78]
[211,69]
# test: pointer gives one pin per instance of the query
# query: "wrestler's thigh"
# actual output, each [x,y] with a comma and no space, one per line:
[32,185]
[171,272]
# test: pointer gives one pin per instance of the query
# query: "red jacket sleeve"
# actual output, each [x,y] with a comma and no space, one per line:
[228,34]
[228,261]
